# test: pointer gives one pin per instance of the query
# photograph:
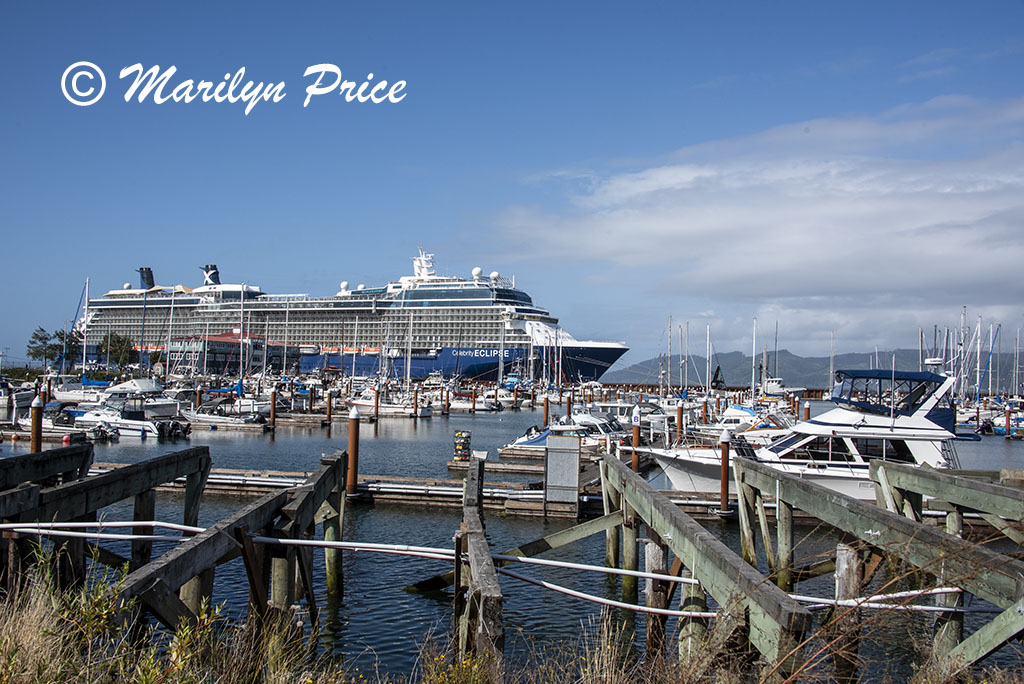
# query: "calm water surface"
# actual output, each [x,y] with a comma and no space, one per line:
[379,623]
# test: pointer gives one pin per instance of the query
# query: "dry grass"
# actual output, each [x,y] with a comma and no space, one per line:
[47,635]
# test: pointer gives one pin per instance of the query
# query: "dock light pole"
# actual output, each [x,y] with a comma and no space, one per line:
[352,477]
[36,439]
[635,420]
[724,501]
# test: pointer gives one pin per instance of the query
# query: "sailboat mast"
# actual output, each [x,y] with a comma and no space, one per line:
[831,359]
[669,364]
[707,377]
[753,364]
[85,325]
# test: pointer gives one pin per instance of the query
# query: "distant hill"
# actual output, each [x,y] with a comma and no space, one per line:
[796,371]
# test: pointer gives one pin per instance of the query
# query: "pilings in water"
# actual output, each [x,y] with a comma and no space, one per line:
[895,530]
[477,617]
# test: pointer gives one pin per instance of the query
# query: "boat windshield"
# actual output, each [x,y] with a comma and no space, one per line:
[885,392]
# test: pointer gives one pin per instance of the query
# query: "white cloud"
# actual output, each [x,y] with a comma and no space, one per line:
[869,225]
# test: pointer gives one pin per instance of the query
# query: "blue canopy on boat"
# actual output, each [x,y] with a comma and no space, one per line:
[880,374]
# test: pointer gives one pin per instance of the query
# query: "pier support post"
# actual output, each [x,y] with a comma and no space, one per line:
[36,420]
[784,545]
[949,627]
[273,407]
[630,560]
[1008,422]
[199,397]
[807,410]
[376,404]
[568,406]
[515,399]
[610,499]
[352,467]
[332,515]
[693,631]
[472,408]
[416,403]
[330,403]
[844,625]
[282,577]
[724,475]
[145,509]
[546,408]
[656,561]
[200,587]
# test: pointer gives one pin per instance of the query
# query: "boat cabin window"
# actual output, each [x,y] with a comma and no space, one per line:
[784,443]
[880,391]
[886,449]
[822,448]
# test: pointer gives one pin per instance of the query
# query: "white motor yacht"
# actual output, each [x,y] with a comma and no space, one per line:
[905,417]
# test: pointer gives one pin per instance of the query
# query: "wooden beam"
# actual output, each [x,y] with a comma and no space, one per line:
[965,493]
[15,470]
[203,551]
[776,622]
[73,499]
[992,576]
[532,548]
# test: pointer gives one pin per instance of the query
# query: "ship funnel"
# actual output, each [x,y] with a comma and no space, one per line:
[146,278]
[211,276]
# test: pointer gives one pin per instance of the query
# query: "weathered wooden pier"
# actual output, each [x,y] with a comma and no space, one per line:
[723,596]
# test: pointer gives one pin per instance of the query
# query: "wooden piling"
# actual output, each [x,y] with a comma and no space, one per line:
[693,631]
[679,423]
[199,397]
[546,408]
[472,408]
[656,561]
[807,410]
[273,407]
[145,509]
[330,405]
[568,406]
[1008,422]
[416,403]
[331,514]
[352,469]
[611,501]
[784,545]
[844,626]
[36,419]
[515,397]
[630,560]
[949,627]
[376,404]
[200,588]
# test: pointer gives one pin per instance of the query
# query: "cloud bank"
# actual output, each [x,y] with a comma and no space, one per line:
[867,226]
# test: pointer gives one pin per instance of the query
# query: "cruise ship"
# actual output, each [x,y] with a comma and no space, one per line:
[474,328]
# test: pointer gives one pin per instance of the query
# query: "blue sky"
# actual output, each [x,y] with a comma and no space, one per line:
[852,168]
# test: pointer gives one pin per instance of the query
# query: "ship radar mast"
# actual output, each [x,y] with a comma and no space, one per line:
[423,265]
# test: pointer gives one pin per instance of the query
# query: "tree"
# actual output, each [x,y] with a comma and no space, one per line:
[40,346]
[118,349]
[72,351]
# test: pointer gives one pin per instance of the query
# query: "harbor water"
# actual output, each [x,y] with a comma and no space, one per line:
[379,625]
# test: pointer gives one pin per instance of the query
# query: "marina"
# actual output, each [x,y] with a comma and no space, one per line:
[400,491]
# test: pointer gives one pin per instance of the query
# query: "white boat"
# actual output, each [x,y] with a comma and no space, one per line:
[222,411]
[59,417]
[905,417]
[387,405]
[19,397]
[157,404]
[130,420]
[72,388]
